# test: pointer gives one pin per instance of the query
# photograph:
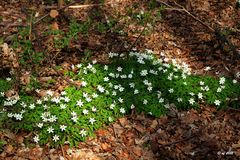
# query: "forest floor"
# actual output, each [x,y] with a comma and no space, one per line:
[203,34]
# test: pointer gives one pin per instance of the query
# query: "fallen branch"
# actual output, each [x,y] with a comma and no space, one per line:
[182,9]
[194,17]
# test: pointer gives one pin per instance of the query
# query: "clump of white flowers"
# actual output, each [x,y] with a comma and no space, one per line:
[144,83]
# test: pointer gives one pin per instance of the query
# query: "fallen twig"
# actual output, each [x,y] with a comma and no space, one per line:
[77,6]
[164,3]
[182,9]
[233,109]
[63,153]
[138,37]
[87,5]
[8,25]
[194,17]
[12,24]
[178,141]
[114,132]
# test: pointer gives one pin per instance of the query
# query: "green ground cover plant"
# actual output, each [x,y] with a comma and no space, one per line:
[139,81]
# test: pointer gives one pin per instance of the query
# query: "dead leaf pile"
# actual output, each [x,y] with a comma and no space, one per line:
[8,57]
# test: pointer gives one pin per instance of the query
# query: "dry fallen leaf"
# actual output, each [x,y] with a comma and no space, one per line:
[9,134]
[19,139]
[10,93]
[42,93]
[101,132]
[53,13]
[25,78]
[54,26]
[124,154]
[123,121]
[128,138]
[154,124]
[36,152]
[8,57]
[129,134]
[61,88]
[236,145]
[139,128]
[77,83]
[118,129]
[9,148]
[105,146]
[237,152]
[54,156]
[84,154]
[140,117]
[137,151]
[141,141]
